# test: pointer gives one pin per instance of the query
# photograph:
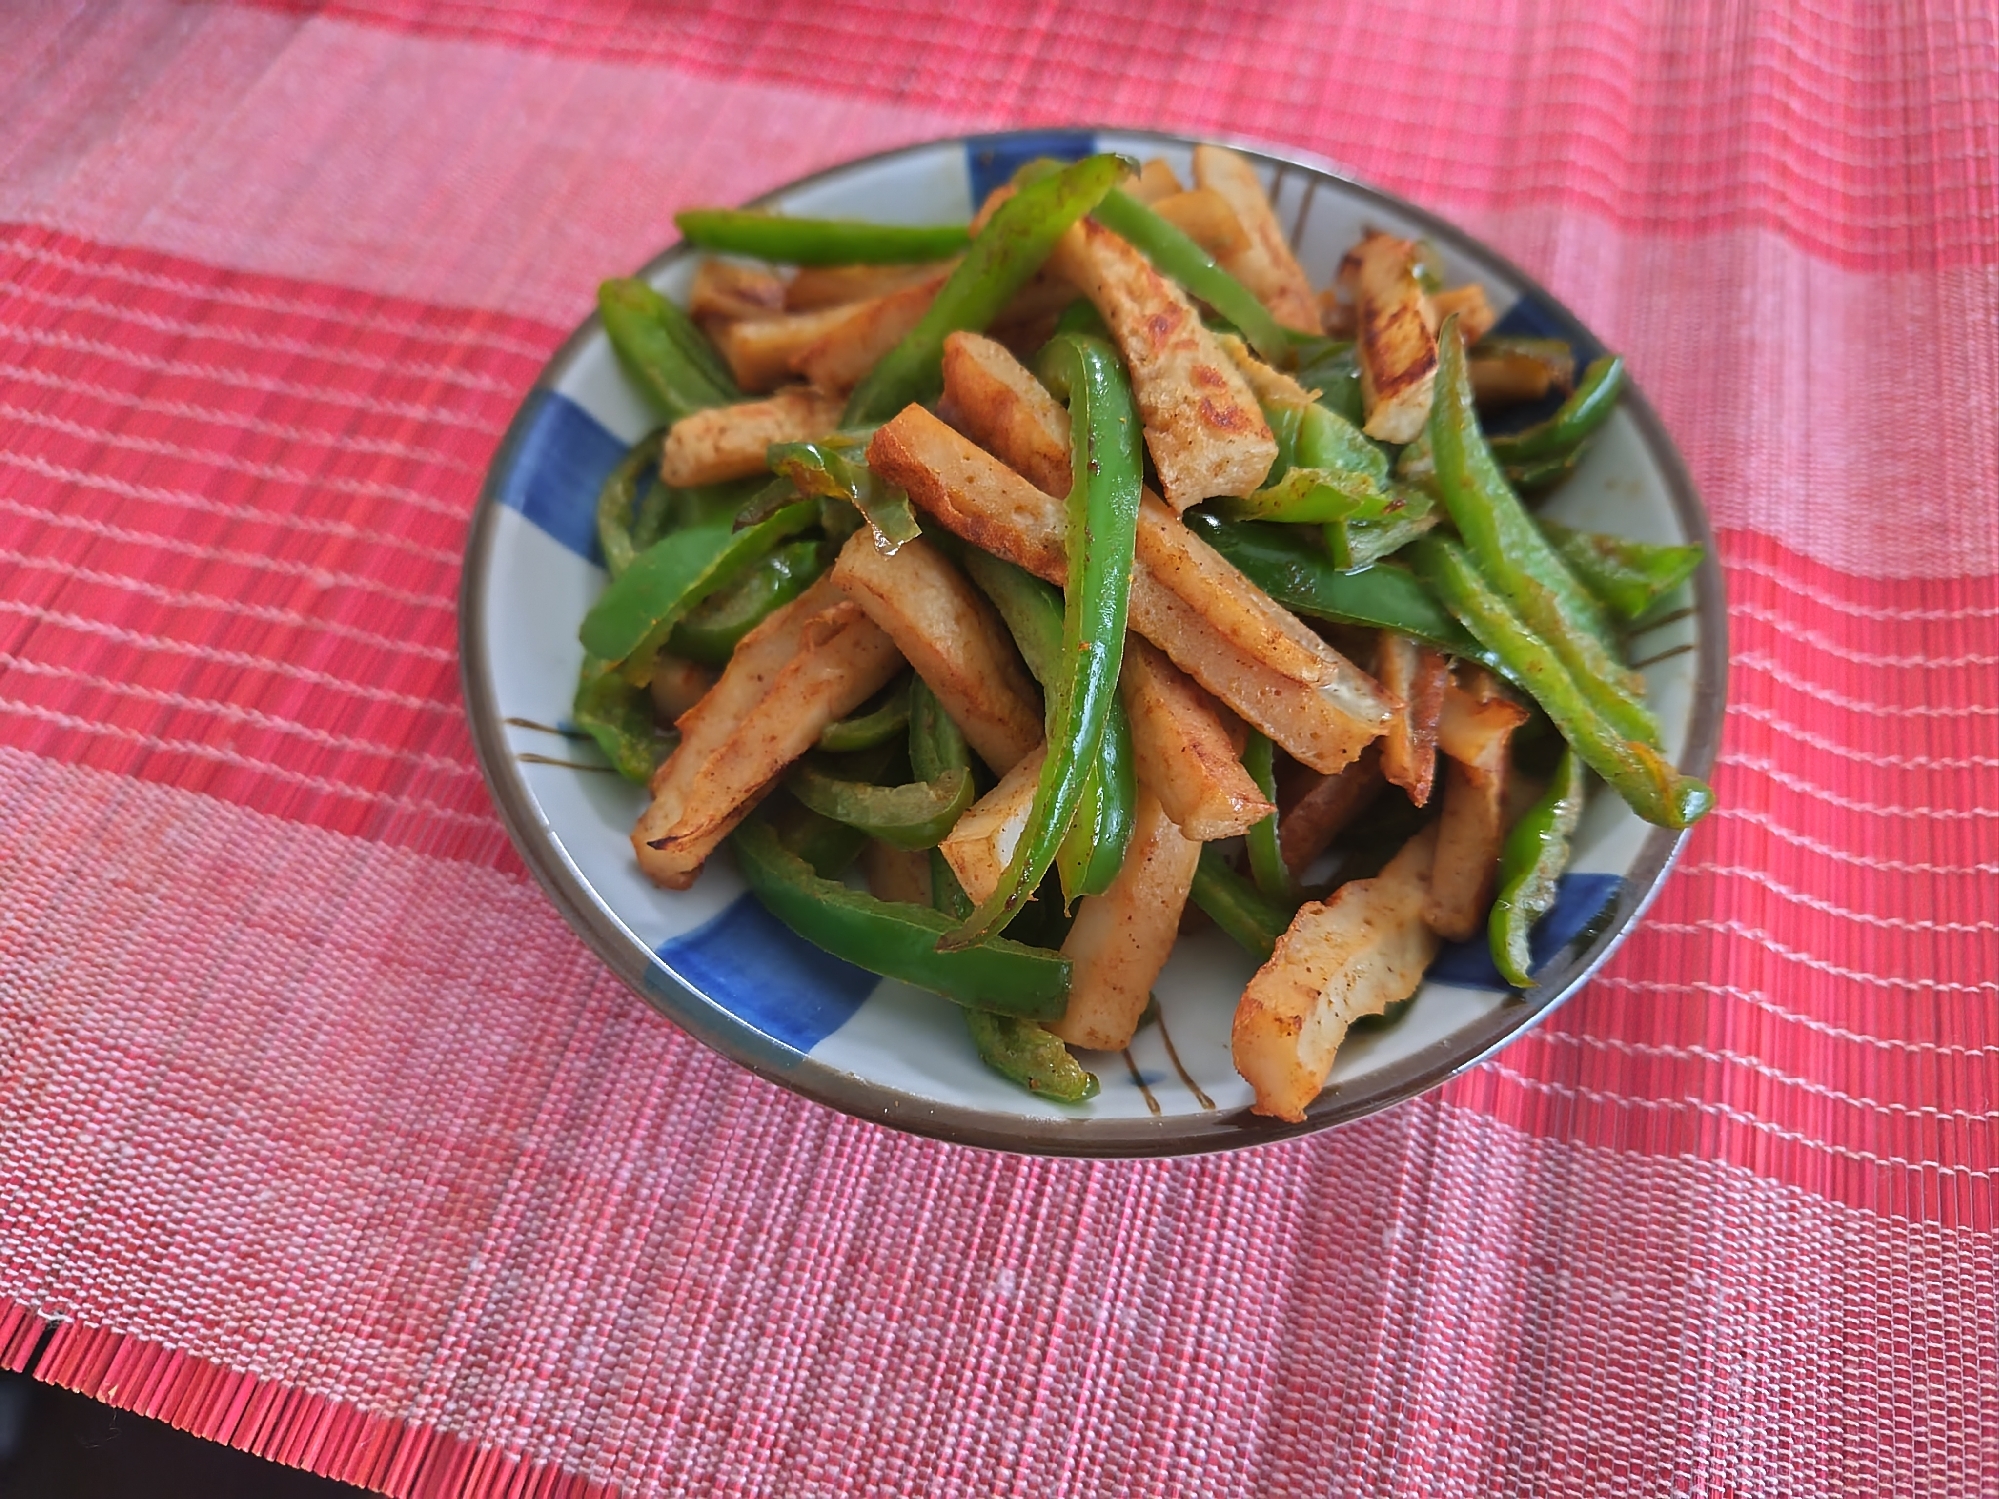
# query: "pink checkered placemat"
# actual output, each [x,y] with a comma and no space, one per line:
[319,1133]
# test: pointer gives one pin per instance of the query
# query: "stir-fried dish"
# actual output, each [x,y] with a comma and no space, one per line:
[1013,597]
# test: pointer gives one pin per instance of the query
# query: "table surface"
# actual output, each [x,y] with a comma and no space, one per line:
[322,1136]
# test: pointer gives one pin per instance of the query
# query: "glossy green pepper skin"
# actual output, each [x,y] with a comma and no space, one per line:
[1536,853]
[1237,906]
[1516,558]
[663,351]
[1102,532]
[637,613]
[912,816]
[709,631]
[1588,407]
[1266,855]
[1022,1052]
[1010,249]
[789,241]
[876,726]
[1093,850]
[619,717]
[1332,368]
[1655,789]
[829,848]
[615,519]
[1629,578]
[1286,565]
[836,468]
[898,940]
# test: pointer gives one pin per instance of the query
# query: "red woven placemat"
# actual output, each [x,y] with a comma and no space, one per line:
[319,1134]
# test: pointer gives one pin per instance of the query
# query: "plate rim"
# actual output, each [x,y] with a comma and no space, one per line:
[1081,1137]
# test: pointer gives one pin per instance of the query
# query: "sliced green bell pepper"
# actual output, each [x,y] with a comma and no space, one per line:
[1022,1052]
[620,718]
[912,816]
[1237,906]
[899,940]
[789,241]
[1530,867]
[1588,407]
[1517,559]
[614,501]
[1102,533]
[1093,851]
[836,468]
[828,847]
[1332,368]
[636,614]
[876,726]
[1009,250]
[1655,789]
[1286,565]
[1266,856]
[1629,578]
[662,349]
[709,631]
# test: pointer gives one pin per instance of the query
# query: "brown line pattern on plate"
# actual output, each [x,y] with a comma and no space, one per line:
[1138,1078]
[529,757]
[1678,650]
[542,728]
[1173,1055]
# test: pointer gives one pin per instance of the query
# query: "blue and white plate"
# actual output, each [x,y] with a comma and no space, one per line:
[714,962]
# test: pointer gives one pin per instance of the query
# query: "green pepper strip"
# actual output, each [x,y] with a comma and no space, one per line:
[619,717]
[614,501]
[1316,496]
[1009,250]
[1022,1052]
[1540,474]
[1361,541]
[1237,906]
[1266,856]
[1178,258]
[836,468]
[829,848]
[865,731]
[1656,790]
[1084,780]
[771,236]
[1331,367]
[899,940]
[1596,395]
[710,630]
[663,351]
[1536,853]
[1513,554]
[936,744]
[637,613]
[937,747]
[912,816]
[1093,851]
[1285,565]
[1102,532]
[1628,577]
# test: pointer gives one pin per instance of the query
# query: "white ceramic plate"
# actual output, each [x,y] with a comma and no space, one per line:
[716,963]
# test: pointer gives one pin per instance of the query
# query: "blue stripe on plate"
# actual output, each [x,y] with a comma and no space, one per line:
[769,977]
[1527,318]
[993,159]
[560,462]
[1579,901]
